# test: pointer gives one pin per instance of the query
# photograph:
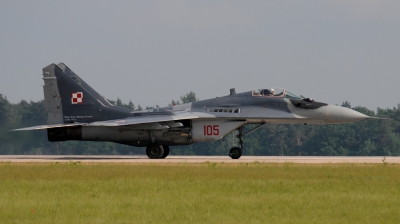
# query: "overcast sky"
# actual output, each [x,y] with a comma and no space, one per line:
[151,52]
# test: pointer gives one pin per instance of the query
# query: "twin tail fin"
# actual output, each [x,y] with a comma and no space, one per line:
[69,99]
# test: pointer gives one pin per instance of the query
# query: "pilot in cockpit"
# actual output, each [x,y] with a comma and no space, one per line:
[272,92]
[266,92]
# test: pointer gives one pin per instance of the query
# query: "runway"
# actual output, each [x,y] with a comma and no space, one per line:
[196,159]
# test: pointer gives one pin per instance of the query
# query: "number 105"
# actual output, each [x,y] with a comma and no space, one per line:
[211,129]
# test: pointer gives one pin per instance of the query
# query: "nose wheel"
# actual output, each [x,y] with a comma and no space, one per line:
[235,153]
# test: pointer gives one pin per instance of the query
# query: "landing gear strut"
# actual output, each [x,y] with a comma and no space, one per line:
[236,152]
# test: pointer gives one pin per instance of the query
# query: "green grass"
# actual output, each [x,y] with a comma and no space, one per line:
[198,193]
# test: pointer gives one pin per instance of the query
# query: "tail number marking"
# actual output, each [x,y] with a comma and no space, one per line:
[210,130]
[77,98]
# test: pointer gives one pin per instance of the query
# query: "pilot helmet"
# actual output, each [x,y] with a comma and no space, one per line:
[272,90]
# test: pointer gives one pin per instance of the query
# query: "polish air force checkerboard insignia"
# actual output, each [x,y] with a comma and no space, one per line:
[77,98]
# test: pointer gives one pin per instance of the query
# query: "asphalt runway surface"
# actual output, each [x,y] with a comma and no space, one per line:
[196,159]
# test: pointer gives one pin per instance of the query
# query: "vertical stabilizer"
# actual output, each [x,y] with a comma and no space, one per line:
[88,89]
[69,99]
[52,100]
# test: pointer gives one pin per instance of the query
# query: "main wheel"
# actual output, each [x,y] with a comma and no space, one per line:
[235,153]
[155,151]
[166,151]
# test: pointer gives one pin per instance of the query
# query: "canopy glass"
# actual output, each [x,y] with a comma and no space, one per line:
[277,92]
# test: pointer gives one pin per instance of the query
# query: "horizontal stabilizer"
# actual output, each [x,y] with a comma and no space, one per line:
[118,122]
[41,127]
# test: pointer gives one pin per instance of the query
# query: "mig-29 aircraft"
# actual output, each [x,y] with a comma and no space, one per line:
[77,112]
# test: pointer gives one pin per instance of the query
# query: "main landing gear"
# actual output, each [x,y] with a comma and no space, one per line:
[155,151]
[236,152]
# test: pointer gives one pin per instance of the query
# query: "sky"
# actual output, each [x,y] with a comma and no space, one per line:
[152,52]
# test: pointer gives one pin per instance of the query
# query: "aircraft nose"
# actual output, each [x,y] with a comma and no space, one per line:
[338,114]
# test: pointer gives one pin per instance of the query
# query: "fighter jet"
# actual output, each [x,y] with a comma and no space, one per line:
[77,112]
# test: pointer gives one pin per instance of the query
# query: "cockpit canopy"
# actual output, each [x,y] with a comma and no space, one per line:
[291,96]
[277,92]
[298,101]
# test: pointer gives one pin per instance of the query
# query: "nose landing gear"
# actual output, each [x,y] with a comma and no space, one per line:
[236,152]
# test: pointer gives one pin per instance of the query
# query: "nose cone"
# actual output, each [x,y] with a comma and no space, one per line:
[337,114]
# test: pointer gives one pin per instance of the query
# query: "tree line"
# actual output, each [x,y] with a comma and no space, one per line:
[372,137]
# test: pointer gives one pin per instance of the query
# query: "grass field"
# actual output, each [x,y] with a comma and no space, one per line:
[198,193]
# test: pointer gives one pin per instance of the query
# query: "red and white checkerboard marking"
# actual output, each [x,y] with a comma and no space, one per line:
[77,98]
